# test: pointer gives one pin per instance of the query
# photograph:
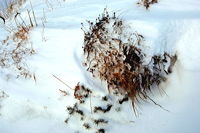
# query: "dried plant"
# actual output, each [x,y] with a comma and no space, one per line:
[87,126]
[3,96]
[81,92]
[15,49]
[100,121]
[101,130]
[89,120]
[147,3]
[115,54]
[103,110]
[12,7]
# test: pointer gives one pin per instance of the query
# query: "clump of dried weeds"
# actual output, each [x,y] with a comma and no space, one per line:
[147,3]
[115,54]
[98,121]
[16,47]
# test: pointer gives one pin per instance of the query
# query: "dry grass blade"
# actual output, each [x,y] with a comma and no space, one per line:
[62,82]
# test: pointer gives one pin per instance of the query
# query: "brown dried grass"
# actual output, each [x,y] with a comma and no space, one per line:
[117,57]
[16,47]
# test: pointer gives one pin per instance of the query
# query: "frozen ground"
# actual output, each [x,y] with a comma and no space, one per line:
[170,25]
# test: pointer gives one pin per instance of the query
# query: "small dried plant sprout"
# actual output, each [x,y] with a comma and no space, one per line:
[101,130]
[3,96]
[147,3]
[81,93]
[16,48]
[44,21]
[115,54]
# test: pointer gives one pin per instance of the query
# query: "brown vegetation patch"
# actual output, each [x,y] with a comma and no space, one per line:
[16,47]
[116,56]
[147,3]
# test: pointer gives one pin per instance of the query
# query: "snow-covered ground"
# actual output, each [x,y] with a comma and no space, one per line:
[39,107]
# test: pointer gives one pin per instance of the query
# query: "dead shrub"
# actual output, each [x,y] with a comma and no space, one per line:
[115,54]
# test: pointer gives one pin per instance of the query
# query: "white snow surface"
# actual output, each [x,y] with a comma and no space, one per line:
[39,107]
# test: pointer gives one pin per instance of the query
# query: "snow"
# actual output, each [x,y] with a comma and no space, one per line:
[39,107]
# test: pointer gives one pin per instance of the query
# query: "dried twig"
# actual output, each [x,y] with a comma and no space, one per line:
[62,82]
